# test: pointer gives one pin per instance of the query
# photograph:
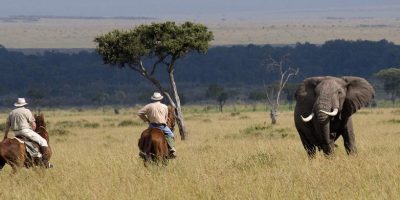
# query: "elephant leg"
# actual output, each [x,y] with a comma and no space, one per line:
[328,149]
[349,138]
[2,163]
[308,146]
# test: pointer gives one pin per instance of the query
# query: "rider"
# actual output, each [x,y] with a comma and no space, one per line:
[22,122]
[156,114]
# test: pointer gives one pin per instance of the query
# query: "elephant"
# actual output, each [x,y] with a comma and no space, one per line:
[323,110]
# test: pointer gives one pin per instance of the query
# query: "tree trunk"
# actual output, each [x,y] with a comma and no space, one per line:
[274,115]
[179,114]
[393,99]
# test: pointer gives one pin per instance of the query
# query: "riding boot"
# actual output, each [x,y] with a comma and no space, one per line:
[46,157]
[171,148]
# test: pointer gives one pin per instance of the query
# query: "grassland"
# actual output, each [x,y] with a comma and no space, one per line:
[79,33]
[231,155]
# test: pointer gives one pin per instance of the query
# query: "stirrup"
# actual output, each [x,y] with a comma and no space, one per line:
[48,166]
[172,153]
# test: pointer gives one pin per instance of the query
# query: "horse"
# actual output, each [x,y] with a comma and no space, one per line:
[153,145]
[14,153]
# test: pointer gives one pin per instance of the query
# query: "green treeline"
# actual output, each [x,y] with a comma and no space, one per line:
[62,79]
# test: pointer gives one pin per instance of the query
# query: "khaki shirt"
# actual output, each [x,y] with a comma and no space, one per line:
[155,112]
[20,118]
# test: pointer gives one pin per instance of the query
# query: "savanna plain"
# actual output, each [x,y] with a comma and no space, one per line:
[79,33]
[232,155]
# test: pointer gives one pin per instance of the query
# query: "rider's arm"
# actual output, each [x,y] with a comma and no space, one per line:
[33,125]
[142,114]
[31,120]
[7,128]
[6,132]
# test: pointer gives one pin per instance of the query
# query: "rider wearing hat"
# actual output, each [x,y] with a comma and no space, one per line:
[22,122]
[156,114]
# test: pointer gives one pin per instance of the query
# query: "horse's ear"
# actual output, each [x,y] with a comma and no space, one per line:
[41,115]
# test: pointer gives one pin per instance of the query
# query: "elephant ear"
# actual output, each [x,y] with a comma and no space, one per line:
[359,94]
[305,93]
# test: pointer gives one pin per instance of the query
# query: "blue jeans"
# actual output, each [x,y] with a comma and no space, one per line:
[164,128]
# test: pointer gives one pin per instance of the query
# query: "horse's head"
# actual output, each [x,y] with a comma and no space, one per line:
[39,119]
[171,117]
[41,126]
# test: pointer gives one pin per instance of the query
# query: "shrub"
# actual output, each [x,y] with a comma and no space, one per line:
[129,123]
[260,159]
[394,121]
[2,127]
[91,125]
[235,114]
[260,130]
[58,132]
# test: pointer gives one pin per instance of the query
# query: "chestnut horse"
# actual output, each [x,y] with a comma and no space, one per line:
[14,153]
[153,145]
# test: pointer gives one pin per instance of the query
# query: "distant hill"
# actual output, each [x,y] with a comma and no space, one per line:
[57,79]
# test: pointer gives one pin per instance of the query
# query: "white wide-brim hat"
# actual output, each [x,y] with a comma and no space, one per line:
[156,96]
[20,102]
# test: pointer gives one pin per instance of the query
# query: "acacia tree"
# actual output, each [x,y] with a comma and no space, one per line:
[163,44]
[218,93]
[391,82]
[274,91]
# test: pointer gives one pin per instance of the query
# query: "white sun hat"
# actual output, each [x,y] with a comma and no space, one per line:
[156,96]
[20,102]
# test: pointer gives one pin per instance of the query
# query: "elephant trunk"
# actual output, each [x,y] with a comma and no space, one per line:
[325,107]
[327,139]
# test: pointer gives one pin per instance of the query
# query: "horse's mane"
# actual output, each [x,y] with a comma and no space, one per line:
[39,120]
[41,126]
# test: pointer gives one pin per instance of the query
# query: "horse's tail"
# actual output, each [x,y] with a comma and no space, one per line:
[145,145]
[160,146]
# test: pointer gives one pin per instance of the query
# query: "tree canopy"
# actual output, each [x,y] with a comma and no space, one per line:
[391,81]
[166,42]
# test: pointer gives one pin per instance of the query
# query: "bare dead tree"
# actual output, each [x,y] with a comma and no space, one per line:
[274,92]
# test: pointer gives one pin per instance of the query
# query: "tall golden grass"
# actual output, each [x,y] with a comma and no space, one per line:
[231,155]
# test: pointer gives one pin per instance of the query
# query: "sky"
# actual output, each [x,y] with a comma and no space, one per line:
[221,8]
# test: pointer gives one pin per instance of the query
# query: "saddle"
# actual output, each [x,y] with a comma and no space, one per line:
[32,148]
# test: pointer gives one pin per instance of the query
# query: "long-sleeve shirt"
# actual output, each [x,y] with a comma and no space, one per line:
[155,112]
[20,118]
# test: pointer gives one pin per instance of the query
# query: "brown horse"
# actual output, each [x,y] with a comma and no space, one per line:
[152,143]
[13,152]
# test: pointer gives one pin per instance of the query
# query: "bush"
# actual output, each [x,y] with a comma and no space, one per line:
[58,132]
[394,121]
[261,159]
[129,123]
[91,125]
[81,123]
[261,130]
[2,127]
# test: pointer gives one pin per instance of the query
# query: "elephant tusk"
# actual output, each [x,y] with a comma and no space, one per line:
[307,119]
[333,113]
